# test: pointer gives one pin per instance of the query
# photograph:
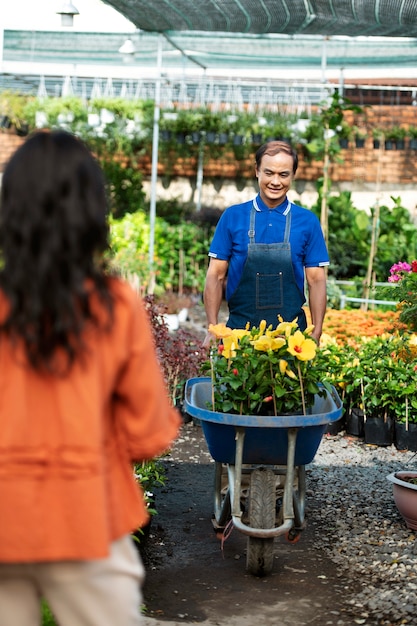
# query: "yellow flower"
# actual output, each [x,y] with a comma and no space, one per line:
[413,340]
[290,373]
[239,333]
[285,328]
[219,330]
[229,347]
[265,343]
[283,364]
[300,347]
[327,340]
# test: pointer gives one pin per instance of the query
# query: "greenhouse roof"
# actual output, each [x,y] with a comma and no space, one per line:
[232,39]
[204,49]
[388,18]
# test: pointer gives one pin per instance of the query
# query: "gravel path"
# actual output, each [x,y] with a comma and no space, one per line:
[367,538]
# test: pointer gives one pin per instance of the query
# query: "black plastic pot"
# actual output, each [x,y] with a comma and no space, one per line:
[355,423]
[405,439]
[379,431]
[336,427]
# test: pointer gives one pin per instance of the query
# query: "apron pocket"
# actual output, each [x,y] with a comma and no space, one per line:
[269,291]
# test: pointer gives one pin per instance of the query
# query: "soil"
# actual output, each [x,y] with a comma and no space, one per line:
[195,578]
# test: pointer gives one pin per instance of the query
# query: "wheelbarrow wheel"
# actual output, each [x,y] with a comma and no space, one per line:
[260,552]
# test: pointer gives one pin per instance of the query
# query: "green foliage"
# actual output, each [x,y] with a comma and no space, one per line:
[350,236]
[47,617]
[383,375]
[180,251]
[397,238]
[328,123]
[124,186]
[69,111]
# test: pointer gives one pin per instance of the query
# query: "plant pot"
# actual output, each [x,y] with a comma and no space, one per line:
[354,423]
[336,427]
[210,137]
[379,431]
[359,142]
[195,137]
[22,130]
[166,135]
[400,143]
[238,140]
[405,438]
[223,138]
[405,496]
[389,145]
[257,139]
[377,144]
[343,143]
[413,144]
[5,121]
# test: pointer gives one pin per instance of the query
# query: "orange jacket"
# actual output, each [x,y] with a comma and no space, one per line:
[67,443]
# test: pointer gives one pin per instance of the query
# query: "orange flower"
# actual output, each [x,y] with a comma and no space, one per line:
[219,330]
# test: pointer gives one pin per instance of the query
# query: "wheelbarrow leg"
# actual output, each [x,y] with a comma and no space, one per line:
[222,509]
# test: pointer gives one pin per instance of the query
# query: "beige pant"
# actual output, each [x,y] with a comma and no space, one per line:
[105,592]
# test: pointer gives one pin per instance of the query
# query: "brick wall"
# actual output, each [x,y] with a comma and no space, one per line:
[360,165]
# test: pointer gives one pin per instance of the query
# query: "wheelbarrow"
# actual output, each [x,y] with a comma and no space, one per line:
[259,478]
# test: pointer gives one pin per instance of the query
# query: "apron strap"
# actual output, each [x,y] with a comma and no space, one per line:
[251,231]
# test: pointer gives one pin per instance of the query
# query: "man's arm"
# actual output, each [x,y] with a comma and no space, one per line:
[213,293]
[317,298]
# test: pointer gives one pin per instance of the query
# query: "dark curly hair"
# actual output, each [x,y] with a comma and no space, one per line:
[53,233]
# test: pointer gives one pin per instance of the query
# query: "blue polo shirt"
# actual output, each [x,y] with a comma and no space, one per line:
[230,241]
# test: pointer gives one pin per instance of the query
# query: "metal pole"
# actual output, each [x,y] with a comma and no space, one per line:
[200,174]
[154,173]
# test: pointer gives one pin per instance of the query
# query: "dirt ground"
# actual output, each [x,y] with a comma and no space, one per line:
[193,579]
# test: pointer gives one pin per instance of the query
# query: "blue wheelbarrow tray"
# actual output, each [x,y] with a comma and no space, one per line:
[266,437]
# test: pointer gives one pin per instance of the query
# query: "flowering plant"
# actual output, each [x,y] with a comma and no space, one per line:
[263,370]
[404,289]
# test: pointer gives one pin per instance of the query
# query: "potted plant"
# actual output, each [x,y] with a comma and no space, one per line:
[394,138]
[380,379]
[378,137]
[360,135]
[404,486]
[344,133]
[412,133]
[174,307]
[263,371]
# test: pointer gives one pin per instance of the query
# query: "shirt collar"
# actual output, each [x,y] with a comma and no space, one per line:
[282,208]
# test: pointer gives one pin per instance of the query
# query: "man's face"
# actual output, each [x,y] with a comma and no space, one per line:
[275,176]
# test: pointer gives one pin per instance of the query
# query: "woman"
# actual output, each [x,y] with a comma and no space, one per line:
[81,397]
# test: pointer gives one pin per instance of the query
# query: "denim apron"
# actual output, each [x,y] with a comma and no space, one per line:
[267,287]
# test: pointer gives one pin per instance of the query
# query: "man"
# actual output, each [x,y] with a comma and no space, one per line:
[262,250]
